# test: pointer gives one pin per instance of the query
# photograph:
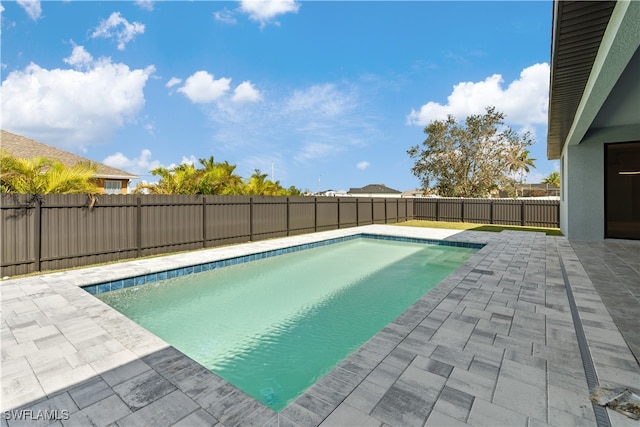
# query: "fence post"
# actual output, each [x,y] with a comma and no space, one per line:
[437,210]
[373,218]
[37,237]
[357,212]
[204,222]
[251,219]
[288,218]
[338,213]
[462,211]
[522,222]
[490,211]
[385,210]
[315,214]
[139,226]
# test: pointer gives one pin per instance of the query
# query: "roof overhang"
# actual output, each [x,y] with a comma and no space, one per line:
[592,46]
[128,177]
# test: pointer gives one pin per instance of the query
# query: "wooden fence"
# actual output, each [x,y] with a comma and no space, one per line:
[61,231]
[522,212]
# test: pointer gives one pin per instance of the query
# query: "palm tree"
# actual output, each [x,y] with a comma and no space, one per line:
[181,179]
[257,184]
[40,175]
[521,163]
[219,178]
[525,163]
[552,179]
[213,178]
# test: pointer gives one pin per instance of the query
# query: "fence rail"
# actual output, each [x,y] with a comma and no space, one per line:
[61,231]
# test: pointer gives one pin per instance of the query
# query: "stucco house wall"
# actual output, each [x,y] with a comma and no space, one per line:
[604,109]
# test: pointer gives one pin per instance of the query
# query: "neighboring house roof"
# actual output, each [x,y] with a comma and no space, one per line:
[372,188]
[21,147]
[594,63]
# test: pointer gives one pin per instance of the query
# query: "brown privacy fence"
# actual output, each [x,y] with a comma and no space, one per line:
[61,231]
[522,212]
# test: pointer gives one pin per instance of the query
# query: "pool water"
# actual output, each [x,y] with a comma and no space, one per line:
[273,327]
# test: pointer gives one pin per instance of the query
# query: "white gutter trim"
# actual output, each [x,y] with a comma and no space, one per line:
[102,176]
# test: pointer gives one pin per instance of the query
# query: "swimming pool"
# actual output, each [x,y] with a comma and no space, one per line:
[274,326]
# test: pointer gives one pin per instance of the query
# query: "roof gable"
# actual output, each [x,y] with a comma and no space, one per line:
[373,188]
[21,147]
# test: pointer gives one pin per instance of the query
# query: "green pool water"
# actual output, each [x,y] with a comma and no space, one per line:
[273,327]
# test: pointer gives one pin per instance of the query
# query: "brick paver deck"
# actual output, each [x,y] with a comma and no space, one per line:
[495,343]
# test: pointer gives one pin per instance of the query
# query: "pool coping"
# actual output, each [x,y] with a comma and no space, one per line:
[221,262]
[66,357]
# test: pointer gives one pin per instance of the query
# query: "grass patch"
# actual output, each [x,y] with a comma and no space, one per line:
[478,227]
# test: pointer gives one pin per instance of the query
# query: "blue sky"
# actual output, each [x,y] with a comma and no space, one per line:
[327,94]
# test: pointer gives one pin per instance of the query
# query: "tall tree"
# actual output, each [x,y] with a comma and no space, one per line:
[259,185]
[213,178]
[519,163]
[525,163]
[552,179]
[181,179]
[219,178]
[40,175]
[469,159]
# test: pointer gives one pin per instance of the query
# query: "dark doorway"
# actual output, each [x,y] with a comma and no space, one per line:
[622,190]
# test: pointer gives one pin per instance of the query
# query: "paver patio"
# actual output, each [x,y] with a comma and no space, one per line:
[495,343]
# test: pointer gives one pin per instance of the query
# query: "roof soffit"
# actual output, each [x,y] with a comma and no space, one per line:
[579,27]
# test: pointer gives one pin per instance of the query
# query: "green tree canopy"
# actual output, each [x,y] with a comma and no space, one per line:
[519,163]
[40,175]
[552,179]
[212,178]
[470,159]
[178,180]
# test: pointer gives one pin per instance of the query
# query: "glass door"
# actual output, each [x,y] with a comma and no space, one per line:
[622,190]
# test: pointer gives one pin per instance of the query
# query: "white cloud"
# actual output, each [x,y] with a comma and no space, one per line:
[314,150]
[263,11]
[140,165]
[79,57]
[315,122]
[145,4]
[191,160]
[149,125]
[246,92]
[363,165]
[119,28]
[173,81]
[202,88]
[32,7]
[322,99]
[533,177]
[524,101]
[72,108]
[225,16]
